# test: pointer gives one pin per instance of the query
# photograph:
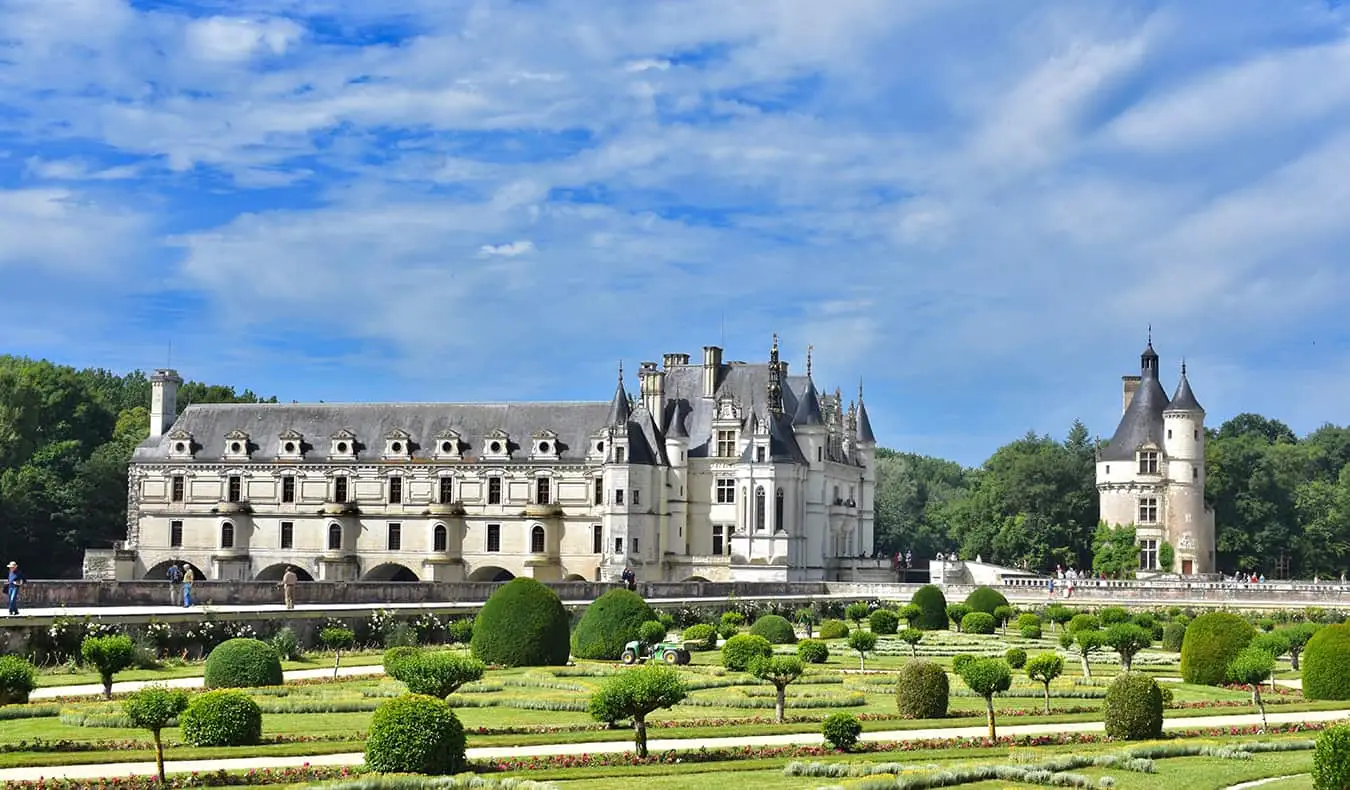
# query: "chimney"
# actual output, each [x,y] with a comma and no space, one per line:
[1129,386]
[163,401]
[669,361]
[712,366]
[652,388]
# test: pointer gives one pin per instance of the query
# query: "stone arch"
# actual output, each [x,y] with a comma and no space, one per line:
[156,572]
[575,577]
[390,572]
[695,579]
[273,573]
[491,573]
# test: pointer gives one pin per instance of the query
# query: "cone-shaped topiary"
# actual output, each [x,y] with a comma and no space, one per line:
[610,622]
[1212,641]
[922,690]
[932,605]
[775,629]
[242,663]
[1134,708]
[523,624]
[1326,664]
[985,599]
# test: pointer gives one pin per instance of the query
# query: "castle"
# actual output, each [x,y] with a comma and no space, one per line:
[720,471]
[1152,473]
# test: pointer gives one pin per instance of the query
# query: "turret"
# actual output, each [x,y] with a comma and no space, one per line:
[163,400]
[1184,440]
[866,439]
[808,422]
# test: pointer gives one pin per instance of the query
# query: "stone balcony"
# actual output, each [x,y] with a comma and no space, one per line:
[445,509]
[227,508]
[339,509]
[549,510]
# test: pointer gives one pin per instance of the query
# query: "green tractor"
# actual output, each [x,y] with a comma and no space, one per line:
[668,652]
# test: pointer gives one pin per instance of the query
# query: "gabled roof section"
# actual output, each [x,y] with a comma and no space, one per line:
[1184,399]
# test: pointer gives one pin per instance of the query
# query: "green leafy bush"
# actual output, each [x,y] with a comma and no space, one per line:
[740,649]
[222,718]
[922,690]
[727,630]
[733,618]
[667,619]
[1326,664]
[459,632]
[1111,615]
[242,663]
[287,644]
[883,621]
[439,674]
[1027,619]
[609,622]
[1030,632]
[1331,759]
[523,624]
[635,694]
[909,613]
[960,661]
[1212,641]
[978,623]
[651,632]
[932,614]
[841,731]
[153,708]
[1134,708]
[956,613]
[1016,657]
[108,655]
[1144,620]
[1173,635]
[415,734]
[1083,622]
[18,678]
[985,599]
[857,612]
[813,651]
[774,628]
[395,658]
[700,636]
[832,629]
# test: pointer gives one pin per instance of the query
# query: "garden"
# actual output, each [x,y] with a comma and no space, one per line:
[916,694]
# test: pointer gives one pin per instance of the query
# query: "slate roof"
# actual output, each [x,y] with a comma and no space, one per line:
[808,408]
[1184,399]
[1142,422]
[864,425]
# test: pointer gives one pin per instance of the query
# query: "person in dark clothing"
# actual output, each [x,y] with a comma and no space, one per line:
[175,575]
[12,585]
[629,578]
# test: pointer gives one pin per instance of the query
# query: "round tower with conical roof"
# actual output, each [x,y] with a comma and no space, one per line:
[1190,529]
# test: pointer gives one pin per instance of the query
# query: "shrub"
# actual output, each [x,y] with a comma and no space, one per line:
[883,621]
[609,622]
[932,613]
[1059,614]
[911,637]
[287,644]
[1024,620]
[726,630]
[439,674]
[1266,624]
[1044,668]
[415,734]
[523,624]
[1331,759]
[18,678]
[667,619]
[1144,620]
[109,655]
[813,651]
[700,636]
[651,632]
[987,677]
[1167,695]
[242,663]
[395,658]
[857,612]
[922,690]
[956,613]
[1134,708]
[1212,641]
[1083,622]
[1326,664]
[1016,657]
[985,599]
[774,628]
[910,613]
[222,718]
[459,632]
[1030,631]
[1111,615]
[978,623]
[733,618]
[1173,635]
[960,661]
[863,642]
[841,731]
[832,629]
[740,649]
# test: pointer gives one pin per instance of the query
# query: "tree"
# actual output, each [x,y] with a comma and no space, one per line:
[1114,552]
[863,642]
[439,674]
[1253,666]
[109,655]
[1087,641]
[153,708]
[1043,669]
[987,677]
[635,694]
[1298,636]
[337,639]
[780,671]
[1127,639]
[911,637]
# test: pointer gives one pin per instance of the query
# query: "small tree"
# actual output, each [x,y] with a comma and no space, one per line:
[1276,643]
[857,612]
[1298,636]
[780,671]
[1253,666]
[1043,669]
[1059,615]
[863,642]
[910,613]
[911,637]
[153,708]
[109,655]
[635,694]
[439,674]
[1086,642]
[337,639]
[1003,614]
[956,613]
[1127,639]
[987,677]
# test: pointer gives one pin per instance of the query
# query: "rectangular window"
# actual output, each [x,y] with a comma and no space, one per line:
[494,537]
[635,546]
[820,453]
[599,490]
[637,497]
[1148,462]
[726,491]
[759,455]
[726,444]
[618,496]
[288,534]
[1195,473]
[395,542]
[288,488]
[447,492]
[175,533]
[618,545]
[340,489]
[597,539]
[542,490]
[1148,510]
[395,490]
[1148,555]
[620,455]
[494,490]
[179,485]
[236,489]
[718,536]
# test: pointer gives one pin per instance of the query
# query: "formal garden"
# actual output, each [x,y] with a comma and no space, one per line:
[872,694]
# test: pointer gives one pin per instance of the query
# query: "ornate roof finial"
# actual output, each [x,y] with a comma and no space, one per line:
[860,389]
[1150,333]
[621,371]
[1183,366]
[809,349]
[775,387]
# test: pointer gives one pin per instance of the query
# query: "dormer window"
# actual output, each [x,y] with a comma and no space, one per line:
[497,445]
[1148,462]
[397,445]
[236,446]
[620,455]
[760,453]
[448,445]
[291,445]
[343,447]
[180,444]
[544,446]
[726,444]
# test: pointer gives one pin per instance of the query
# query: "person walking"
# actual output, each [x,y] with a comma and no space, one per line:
[188,578]
[288,582]
[12,585]
[175,575]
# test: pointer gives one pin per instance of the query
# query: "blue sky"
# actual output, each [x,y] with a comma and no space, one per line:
[977,207]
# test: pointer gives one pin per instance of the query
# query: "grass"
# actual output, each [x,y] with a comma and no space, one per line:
[61,676]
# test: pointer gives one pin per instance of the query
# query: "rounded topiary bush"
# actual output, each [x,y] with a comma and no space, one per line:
[1016,657]
[841,731]
[700,636]
[652,631]
[978,623]
[922,690]
[222,718]
[832,629]
[932,614]
[883,621]
[1172,636]
[1326,664]
[1331,759]
[610,622]
[242,663]
[396,659]
[1134,708]
[18,678]
[1212,641]
[1110,615]
[415,734]
[775,629]
[523,624]
[741,649]
[960,661]
[985,599]
[813,651]
[1030,632]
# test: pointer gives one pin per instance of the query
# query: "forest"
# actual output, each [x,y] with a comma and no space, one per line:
[1282,502]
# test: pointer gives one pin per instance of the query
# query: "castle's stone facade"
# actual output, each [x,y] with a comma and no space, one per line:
[717,471]
[1152,473]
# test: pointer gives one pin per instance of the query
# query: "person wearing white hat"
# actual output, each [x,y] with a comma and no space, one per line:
[12,585]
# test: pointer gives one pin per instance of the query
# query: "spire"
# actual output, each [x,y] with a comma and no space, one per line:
[1148,361]
[620,409]
[865,435]
[1184,399]
[775,388]
[809,349]
[808,407]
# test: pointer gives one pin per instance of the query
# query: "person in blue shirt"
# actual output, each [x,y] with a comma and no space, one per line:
[12,585]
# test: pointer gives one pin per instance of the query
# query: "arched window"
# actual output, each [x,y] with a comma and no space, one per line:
[334,537]
[227,535]
[439,538]
[778,512]
[537,540]
[759,508]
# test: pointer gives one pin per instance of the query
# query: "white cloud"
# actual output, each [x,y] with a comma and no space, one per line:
[221,38]
[53,229]
[507,250]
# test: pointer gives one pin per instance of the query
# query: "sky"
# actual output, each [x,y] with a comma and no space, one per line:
[976,208]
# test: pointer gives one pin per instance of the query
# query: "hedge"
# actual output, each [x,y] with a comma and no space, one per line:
[1173,635]
[985,599]
[523,624]
[415,734]
[1134,708]
[932,605]
[832,629]
[610,622]
[883,621]
[222,718]
[774,628]
[813,651]
[978,623]
[1212,641]
[1326,664]
[242,663]
[18,678]
[1331,759]
[699,636]
[922,690]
